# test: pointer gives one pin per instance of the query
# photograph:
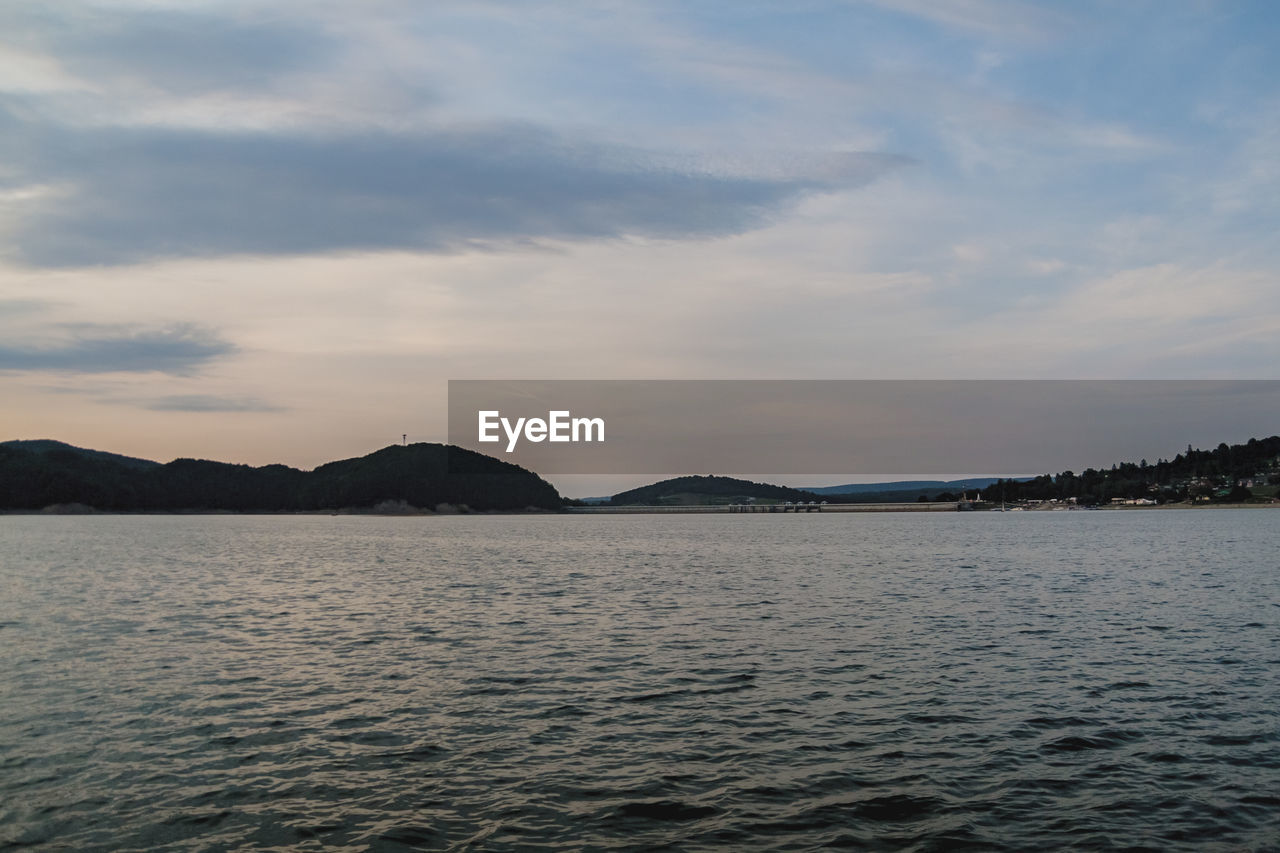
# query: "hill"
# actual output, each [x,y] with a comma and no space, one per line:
[725,490]
[708,490]
[48,445]
[419,475]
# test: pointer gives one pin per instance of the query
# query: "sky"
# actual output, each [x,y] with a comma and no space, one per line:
[272,231]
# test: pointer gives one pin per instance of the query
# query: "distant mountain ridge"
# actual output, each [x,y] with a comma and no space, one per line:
[906,486]
[42,473]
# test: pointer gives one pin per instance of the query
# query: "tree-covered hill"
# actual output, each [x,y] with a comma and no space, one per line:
[420,475]
[708,490]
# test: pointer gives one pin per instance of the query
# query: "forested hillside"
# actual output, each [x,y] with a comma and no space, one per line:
[34,475]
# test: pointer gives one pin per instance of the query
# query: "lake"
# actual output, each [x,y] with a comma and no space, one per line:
[725,682]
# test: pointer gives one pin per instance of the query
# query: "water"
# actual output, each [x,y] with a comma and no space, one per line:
[998,681]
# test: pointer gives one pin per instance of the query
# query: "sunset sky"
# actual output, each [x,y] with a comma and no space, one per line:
[271,231]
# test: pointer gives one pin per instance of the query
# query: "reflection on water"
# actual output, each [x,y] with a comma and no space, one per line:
[560,682]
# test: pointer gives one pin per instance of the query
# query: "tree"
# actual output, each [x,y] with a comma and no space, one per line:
[1238,494]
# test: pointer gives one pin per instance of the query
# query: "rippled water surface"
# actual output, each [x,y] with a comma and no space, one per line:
[1089,680]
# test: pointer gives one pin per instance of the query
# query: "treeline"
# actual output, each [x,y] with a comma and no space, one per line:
[1196,473]
[420,475]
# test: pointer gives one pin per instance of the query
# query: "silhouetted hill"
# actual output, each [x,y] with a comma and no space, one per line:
[707,490]
[48,445]
[429,474]
[421,475]
[724,490]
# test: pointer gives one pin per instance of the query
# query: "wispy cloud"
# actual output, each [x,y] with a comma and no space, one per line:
[207,403]
[183,51]
[135,195]
[23,307]
[96,349]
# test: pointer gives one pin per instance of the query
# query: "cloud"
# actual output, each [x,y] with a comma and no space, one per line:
[180,51]
[97,349]
[131,195]
[207,403]
[23,307]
